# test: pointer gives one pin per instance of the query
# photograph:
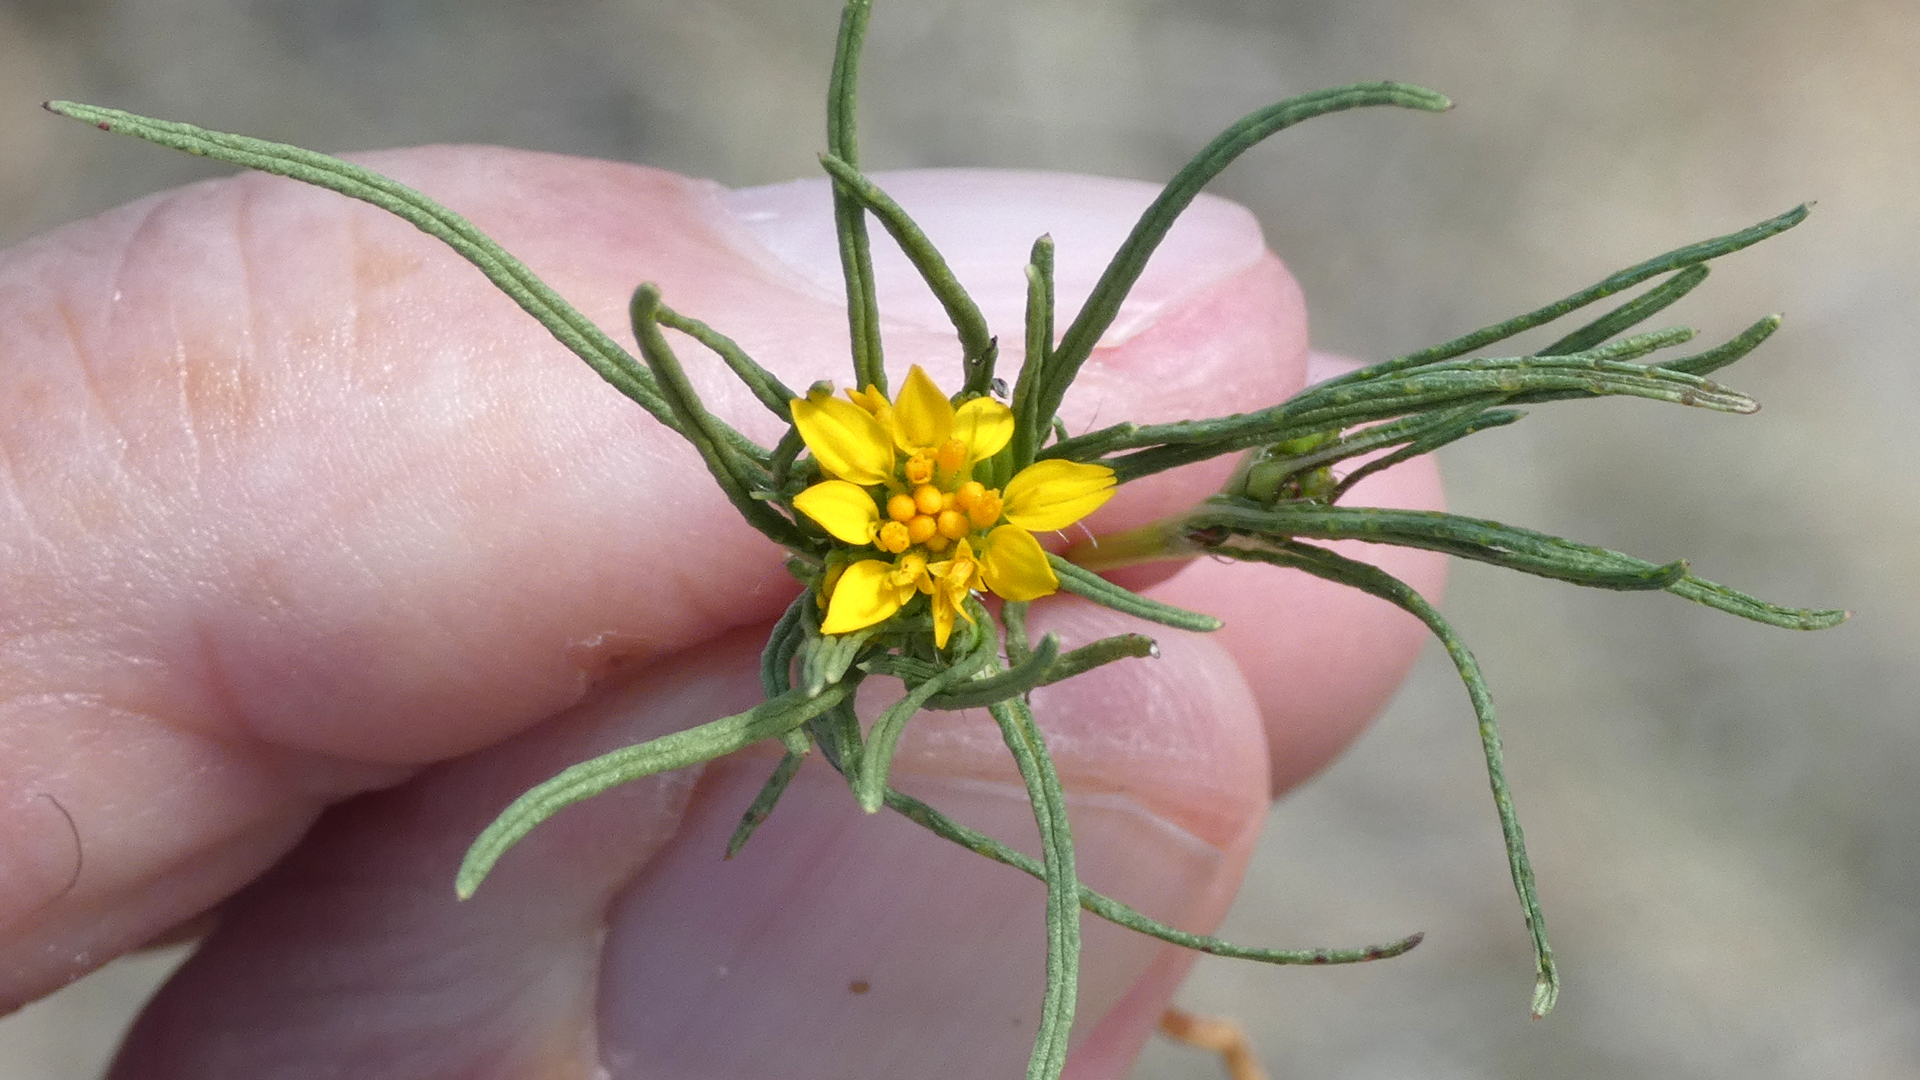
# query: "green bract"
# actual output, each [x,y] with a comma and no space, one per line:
[1283,498]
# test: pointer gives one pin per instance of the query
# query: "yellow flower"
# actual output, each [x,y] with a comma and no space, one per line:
[901,482]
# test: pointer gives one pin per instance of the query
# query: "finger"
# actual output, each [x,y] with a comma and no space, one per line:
[298,502]
[835,945]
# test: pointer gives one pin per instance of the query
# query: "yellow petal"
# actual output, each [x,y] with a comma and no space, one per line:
[875,402]
[945,607]
[984,425]
[942,619]
[845,438]
[1053,494]
[862,598]
[922,415]
[1015,567]
[845,510]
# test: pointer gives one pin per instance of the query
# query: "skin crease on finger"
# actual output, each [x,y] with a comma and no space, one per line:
[279,468]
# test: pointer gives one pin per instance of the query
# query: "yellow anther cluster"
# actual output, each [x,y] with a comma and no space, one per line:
[932,518]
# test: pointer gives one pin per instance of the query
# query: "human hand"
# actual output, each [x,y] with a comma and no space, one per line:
[317,552]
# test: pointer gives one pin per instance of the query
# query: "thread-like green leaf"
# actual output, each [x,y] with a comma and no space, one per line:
[1630,314]
[738,476]
[1619,281]
[977,346]
[1023,737]
[1103,304]
[766,386]
[508,274]
[693,746]
[1029,430]
[1088,584]
[849,219]
[1121,914]
[1371,579]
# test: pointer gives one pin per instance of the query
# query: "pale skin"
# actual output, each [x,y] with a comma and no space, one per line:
[315,551]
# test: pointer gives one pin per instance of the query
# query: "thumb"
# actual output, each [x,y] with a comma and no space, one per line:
[836,945]
[298,503]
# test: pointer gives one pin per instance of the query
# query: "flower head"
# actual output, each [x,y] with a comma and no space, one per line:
[900,482]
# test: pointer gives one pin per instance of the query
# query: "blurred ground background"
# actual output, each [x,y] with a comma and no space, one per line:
[1723,816]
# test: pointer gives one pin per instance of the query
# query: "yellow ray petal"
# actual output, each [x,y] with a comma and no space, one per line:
[942,619]
[864,596]
[922,415]
[1053,494]
[845,510]
[845,438]
[1015,567]
[953,580]
[984,425]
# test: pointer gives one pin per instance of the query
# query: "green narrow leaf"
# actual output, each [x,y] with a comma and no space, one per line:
[1607,369]
[1747,607]
[876,759]
[1121,914]
[1100,653]
[1518,380]
[977,346]
[1029,672]
[737,476]
[1371,579]
[693,746]
[1630,314]
[762,806]
[1456,427]
[1704,251]
[850,221]
[1093,444]
[1028,430]
[1044,668]
[1013,616]
[1508,546]
[1716,358]
[1063,886]
[766,386]
[572,329]
[785,453]
[783,641]
[1478,539]
[1088,584]
[1103,304]
[838,733]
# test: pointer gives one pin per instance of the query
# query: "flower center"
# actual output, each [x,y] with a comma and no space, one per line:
[937,503]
